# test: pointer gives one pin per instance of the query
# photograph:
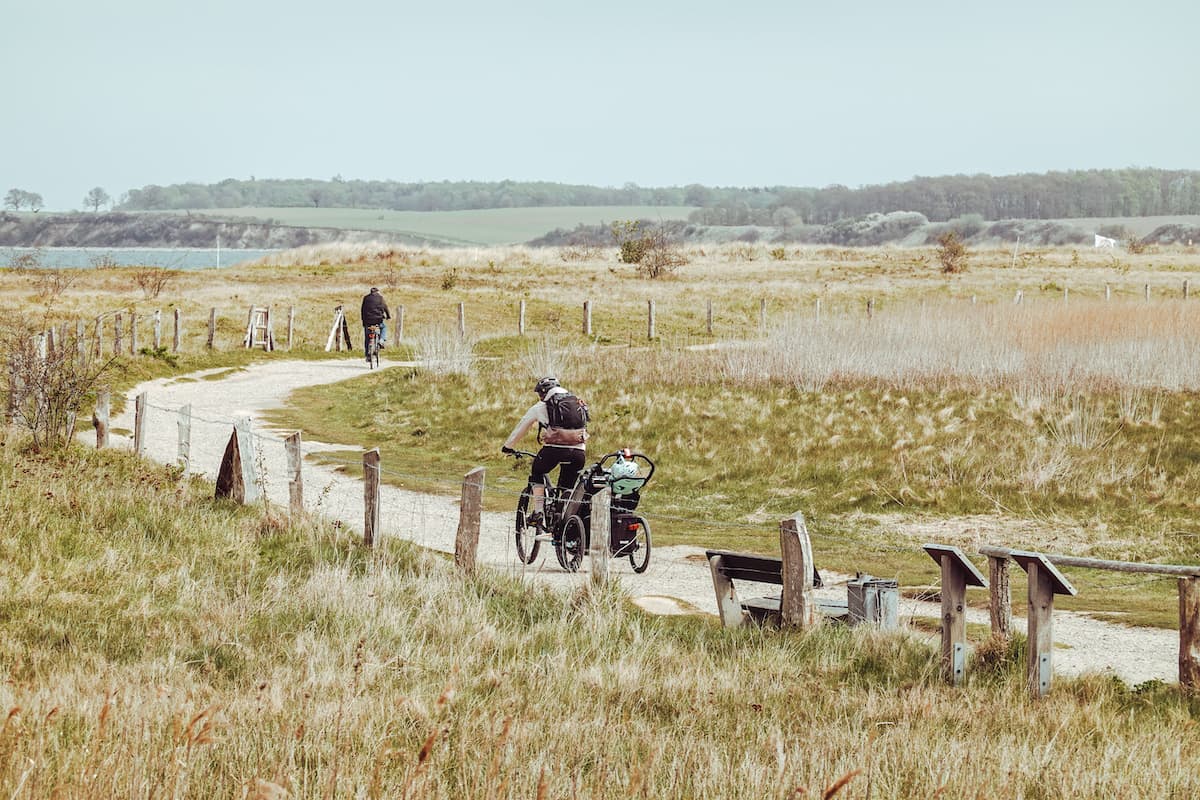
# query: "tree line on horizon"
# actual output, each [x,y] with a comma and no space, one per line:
[1129,192]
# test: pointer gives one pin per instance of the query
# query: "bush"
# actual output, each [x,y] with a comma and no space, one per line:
[152,280]
[777,253]
[952,253]
[652,250]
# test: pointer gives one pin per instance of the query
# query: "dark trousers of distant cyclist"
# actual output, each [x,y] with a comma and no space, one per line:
[569,460]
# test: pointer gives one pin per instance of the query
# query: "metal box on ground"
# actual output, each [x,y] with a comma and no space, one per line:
[873,600]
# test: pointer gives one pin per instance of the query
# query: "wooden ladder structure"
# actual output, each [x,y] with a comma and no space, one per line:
[259,330]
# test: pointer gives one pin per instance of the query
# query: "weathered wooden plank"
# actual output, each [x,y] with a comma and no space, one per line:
[178,337]
[466,541]
[728,606]
[1189,634]
[1041,629]
[1182,570]
[370,496]
[249,458]
[798,608]
[954,618]
[291,445]
[601,535]
[230,484]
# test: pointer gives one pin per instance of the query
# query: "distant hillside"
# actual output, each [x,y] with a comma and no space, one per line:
[1131,192]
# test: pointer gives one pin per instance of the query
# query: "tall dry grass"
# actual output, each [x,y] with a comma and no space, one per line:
[158,644]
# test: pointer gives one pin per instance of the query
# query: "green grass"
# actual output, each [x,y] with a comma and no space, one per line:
[153,637]
[480,227]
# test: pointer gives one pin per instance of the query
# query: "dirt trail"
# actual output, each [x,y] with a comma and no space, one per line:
[677,581]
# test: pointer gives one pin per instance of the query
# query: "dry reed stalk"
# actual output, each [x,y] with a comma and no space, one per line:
[839,784]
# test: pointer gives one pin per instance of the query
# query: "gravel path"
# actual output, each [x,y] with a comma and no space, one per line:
[677,581]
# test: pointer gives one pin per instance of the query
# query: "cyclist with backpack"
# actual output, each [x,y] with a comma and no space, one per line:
[562,431]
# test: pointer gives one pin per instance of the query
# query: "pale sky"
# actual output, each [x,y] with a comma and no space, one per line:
[124,93]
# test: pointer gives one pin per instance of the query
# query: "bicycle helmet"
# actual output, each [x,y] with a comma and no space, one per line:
[544,385]
[624,478]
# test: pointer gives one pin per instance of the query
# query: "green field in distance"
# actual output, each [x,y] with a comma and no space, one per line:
[478,227]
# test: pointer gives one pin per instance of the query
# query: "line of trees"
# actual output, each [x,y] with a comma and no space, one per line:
[1080,193]
[16,199]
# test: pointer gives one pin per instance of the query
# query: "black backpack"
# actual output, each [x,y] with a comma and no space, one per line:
[567,411]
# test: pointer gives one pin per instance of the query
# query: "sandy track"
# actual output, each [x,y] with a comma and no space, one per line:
[677,581]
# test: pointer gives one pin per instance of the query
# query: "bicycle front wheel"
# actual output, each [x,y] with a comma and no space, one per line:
[527,543]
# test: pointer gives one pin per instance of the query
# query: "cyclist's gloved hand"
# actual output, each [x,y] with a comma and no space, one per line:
[508,451]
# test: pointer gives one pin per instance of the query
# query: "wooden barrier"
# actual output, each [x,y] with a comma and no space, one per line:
[370,463]
[601,523]
[1000,607]
[1189,634]
[466,541]
[176,340]
[957,574]
[100,417]
[237,477]
[291,445]
[183,451]
[139,424]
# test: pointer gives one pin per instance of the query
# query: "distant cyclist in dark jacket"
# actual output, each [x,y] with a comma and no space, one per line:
[374,312]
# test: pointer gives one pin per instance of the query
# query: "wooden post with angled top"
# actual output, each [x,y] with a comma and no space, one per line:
[798,607]
[139,424]
[1189,634]
[291,446]
[1044,582]
[466,541]
[601,535]
[100,417]
[183,452]
[370,496]
[957,574]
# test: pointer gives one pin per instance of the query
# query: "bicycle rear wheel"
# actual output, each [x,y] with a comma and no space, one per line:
[639,546]
[527,543]
[570,545]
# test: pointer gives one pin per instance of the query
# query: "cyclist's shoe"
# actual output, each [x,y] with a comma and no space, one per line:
[535,520]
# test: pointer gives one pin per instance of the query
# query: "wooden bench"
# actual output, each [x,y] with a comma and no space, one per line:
[728,566]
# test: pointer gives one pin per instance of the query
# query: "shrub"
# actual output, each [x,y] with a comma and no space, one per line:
[952,253]
[152,280]
[777,253]
[652,250]
[1135,245]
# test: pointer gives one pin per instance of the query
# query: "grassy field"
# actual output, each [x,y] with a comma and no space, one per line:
[479,227]
[156,643]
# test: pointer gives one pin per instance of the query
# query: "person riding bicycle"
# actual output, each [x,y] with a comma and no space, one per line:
[562,431]
[374,312]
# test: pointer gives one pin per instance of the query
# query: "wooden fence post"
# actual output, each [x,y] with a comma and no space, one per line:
[99,346]
[587,317]
[762,314]
[601,535]
[818,309]
[245,439]
[1189,634]
[521,318]
[650,318]
[14,382]
[176,340]
[466,541]
[1107,293]
[100,417]
[212,328]
[870,307]
[117,333]
[462,321]
[1185,288]
[1019,296]
[399,324]
[291,445]
[157,328]
[139,424]
[80,344]
[1000,606]
[797,607]
[1146,291]
[709,322]
[370,496]
[133,339]
[291,326]
[1044,582]
[183,452]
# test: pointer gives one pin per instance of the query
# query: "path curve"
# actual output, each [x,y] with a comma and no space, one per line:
[677,581]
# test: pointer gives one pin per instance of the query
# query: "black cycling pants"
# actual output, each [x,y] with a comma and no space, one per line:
[570,459]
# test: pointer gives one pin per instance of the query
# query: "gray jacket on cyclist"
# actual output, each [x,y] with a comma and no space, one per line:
[553,436]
